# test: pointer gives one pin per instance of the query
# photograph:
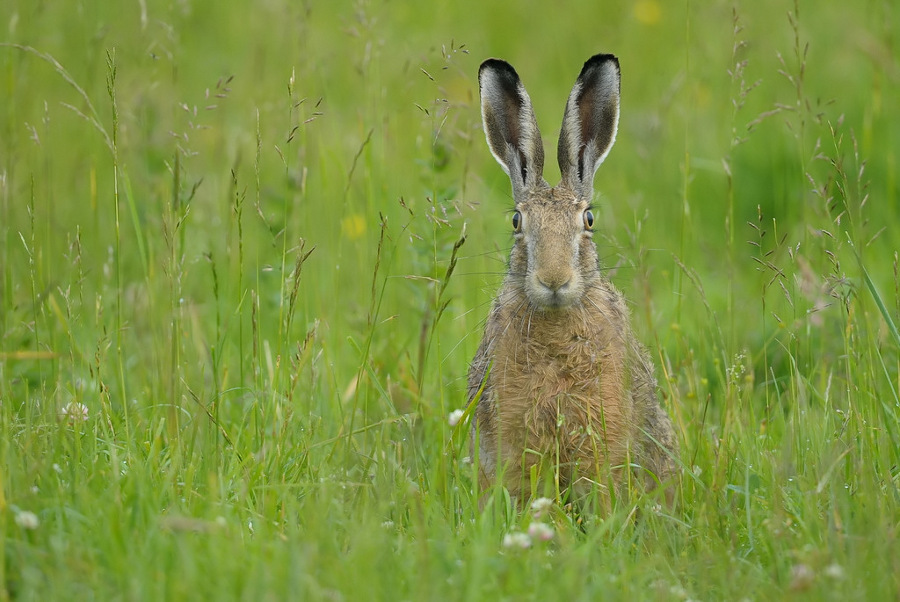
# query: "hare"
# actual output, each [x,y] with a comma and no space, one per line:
[559,378]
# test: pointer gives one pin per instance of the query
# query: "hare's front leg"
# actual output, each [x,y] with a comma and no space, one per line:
[496,456]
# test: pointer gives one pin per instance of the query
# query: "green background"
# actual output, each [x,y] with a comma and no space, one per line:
[266,424]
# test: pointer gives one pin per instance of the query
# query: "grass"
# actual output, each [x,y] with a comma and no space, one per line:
[246,256]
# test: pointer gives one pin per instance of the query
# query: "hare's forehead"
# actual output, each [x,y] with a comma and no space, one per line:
[547,203]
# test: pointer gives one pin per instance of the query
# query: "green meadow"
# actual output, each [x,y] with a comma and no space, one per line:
[247,251]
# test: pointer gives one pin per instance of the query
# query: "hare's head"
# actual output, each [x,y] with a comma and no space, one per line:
[553,259]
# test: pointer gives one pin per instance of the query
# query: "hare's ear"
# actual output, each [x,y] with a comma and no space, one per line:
[509,125]
[590,123]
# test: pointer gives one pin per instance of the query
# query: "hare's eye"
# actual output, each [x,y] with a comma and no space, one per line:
[517,221]
[588,220]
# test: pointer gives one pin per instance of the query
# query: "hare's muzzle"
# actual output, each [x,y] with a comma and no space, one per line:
[553,289]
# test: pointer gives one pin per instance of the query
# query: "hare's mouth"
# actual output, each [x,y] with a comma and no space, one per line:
[553,296]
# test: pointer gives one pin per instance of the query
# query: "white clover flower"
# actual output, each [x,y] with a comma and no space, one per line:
[540,531]
[540,506]
[455,417]
[27,520]
[802,577]
[517,540]
[75,412]
[835,571]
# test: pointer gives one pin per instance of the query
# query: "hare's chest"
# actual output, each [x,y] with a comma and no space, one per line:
[567,409]
[576,383]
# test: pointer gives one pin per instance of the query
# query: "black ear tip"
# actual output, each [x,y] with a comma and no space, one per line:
[494,64]
[502,71]
[498,66]
[598,61]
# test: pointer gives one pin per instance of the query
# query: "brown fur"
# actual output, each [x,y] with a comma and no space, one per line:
[564,381]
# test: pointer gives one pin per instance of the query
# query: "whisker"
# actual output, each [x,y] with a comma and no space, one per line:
[605,316]
[513,316]
[455,347]
[481,273]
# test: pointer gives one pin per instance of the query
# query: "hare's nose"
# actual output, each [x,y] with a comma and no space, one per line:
[555,283]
